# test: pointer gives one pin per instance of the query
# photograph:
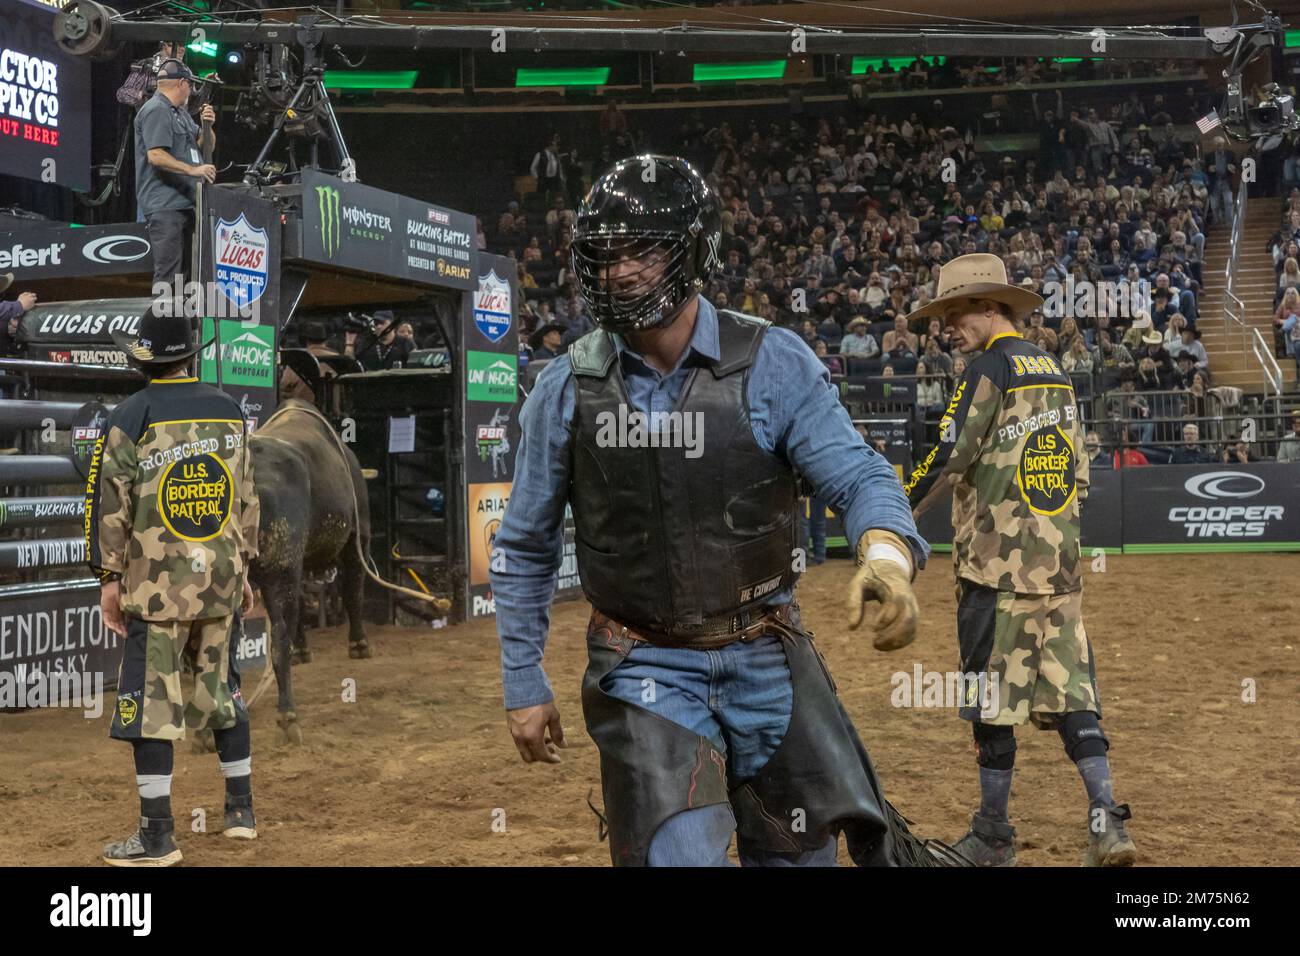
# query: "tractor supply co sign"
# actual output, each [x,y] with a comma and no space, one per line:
[1202,505]
[44,101]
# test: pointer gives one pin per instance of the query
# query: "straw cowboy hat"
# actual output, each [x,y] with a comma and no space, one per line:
[6,280]
[979,275]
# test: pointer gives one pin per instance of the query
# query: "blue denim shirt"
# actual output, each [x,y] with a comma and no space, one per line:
[795,413]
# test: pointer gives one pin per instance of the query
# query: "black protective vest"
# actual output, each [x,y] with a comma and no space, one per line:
[672,544]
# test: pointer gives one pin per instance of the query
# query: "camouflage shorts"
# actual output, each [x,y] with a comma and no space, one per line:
[150,700]
[1031,652]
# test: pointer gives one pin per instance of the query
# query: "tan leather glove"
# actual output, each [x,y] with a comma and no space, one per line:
[889,583]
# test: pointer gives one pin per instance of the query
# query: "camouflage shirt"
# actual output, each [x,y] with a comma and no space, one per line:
[170,503]
[1011,445]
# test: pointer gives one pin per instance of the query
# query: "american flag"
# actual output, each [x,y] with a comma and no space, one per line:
[1208,123]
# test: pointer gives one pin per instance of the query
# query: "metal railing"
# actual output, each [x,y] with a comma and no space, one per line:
[1234,310]
[1267,361]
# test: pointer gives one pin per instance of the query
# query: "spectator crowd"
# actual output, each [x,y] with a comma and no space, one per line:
[836,228]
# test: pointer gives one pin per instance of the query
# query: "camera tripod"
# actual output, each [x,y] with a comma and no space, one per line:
[309,104]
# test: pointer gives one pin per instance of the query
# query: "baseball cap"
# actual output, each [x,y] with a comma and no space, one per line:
[174,69]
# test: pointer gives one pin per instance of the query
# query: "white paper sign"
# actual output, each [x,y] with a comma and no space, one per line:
[401,435]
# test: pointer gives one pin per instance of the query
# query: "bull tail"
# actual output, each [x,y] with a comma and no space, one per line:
[442,604]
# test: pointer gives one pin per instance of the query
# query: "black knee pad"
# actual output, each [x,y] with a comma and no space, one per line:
[233,743]
[153,757]
[1081,733]
[995,747]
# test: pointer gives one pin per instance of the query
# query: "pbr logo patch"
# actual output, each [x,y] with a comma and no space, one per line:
[87,427]
[1046,471]
[492,307]
[194,497]
[240,261]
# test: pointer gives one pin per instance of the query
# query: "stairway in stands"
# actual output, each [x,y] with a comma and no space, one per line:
[1255,285]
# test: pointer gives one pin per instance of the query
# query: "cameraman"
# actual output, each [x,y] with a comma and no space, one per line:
[168,160]
[376,344]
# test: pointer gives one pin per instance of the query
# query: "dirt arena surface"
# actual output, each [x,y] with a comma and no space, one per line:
[413,771]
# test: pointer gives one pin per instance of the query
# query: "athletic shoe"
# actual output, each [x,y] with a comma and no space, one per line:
[988,842]
[1108,839]
[151,845]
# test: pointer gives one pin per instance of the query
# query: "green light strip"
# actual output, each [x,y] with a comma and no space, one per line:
[722,72]
[1212,546]
[205,48]
[1291,39]
[574,76]
[370,79]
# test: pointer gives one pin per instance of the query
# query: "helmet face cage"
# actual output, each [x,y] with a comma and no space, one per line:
[643,299]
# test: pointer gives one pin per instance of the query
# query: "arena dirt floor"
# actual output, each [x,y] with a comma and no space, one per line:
[417,770]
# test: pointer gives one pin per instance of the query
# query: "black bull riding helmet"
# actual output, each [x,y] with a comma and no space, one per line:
[656,211]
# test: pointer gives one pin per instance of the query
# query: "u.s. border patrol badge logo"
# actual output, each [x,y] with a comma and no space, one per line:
[194,497]
[1046,471]
[126,711]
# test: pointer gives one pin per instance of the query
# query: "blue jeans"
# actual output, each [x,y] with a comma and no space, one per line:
[814,522]
[1221,202]
[741,698]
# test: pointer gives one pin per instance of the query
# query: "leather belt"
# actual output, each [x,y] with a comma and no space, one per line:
[744,626]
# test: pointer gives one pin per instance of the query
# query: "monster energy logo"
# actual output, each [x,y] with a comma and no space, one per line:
[328,199]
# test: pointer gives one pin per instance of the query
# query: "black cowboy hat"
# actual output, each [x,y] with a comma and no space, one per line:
[160,339]
[313,333]
[304,365]
[535,340]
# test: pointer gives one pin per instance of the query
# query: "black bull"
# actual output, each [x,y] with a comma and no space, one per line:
[314,508]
